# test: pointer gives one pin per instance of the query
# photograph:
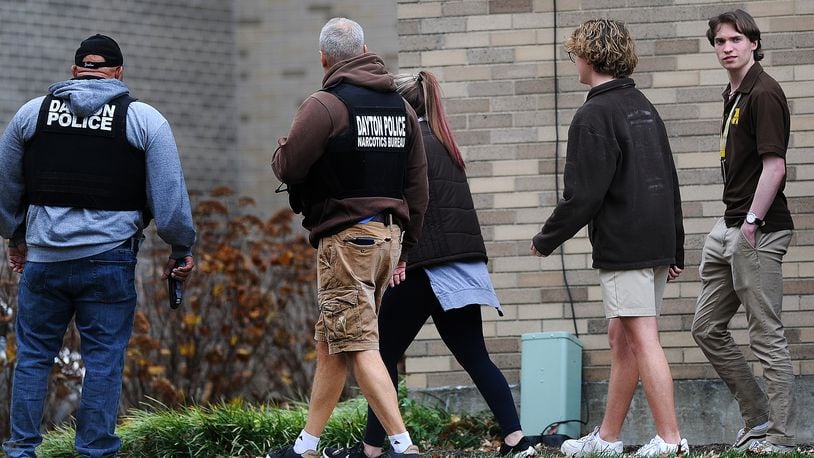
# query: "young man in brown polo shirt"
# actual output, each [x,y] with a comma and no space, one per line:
[742,257]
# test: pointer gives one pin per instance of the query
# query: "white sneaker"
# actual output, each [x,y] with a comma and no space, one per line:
[591,444]
[746,436]
[658,448]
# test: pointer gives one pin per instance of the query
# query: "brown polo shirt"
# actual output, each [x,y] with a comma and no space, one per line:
[759,125]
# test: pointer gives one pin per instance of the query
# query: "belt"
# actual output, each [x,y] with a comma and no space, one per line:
[384,218]
[132,244]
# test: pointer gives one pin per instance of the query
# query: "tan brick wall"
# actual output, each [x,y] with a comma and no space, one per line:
[496,60]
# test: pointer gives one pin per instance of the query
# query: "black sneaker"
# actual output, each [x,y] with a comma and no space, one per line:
[521,450]
[288,452]
[357,451]
[412,451]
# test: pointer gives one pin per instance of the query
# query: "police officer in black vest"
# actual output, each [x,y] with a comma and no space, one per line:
[355,161]
[85,168]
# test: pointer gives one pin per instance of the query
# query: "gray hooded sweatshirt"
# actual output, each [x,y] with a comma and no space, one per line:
[55,234]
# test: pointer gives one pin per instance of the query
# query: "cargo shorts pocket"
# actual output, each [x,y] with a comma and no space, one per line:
[340,314]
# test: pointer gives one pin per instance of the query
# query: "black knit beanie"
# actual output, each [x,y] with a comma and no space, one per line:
[100,45]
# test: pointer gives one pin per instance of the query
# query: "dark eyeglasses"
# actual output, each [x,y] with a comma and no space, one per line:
[571,57]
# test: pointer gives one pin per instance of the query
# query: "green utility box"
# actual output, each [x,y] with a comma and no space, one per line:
[550,382]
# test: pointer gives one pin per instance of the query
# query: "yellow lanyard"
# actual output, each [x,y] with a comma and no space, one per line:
[725,127]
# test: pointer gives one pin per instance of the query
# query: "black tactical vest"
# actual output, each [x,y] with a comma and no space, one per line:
[84,162]
[367,160]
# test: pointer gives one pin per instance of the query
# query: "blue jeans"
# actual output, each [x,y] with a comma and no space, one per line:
[99,293]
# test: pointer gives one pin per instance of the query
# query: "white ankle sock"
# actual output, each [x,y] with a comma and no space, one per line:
[305,442]
[400,442]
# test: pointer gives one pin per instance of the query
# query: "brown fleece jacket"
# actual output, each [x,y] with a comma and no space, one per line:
[321,117]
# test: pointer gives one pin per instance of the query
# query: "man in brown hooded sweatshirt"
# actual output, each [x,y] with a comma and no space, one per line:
[355,166]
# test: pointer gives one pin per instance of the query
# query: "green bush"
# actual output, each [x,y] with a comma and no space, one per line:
[237,430]
[242,431]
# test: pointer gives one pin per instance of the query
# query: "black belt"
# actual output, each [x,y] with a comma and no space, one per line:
[384,218]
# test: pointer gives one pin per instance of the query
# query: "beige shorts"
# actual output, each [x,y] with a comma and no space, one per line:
[353,270]
[633,292]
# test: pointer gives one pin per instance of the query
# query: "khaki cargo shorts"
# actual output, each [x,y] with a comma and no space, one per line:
[353,270]
[637,292]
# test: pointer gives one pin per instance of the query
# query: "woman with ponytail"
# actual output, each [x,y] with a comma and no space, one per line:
[446,278]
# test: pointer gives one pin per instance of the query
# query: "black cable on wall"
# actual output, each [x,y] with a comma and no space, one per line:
[557,168]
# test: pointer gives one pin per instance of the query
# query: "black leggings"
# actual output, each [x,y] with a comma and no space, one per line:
[404,310]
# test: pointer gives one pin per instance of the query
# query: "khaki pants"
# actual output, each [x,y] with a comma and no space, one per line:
[734,273]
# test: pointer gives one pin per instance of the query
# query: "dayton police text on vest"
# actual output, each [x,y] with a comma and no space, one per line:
[381,131]
[101,120]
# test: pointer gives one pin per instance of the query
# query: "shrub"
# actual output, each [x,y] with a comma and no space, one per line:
[8,303]
[239,430]
[245,329]
[243,333]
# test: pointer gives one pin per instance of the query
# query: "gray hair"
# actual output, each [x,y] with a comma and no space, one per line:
[341,38]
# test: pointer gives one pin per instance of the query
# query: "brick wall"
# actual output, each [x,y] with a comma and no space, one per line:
[178,57]
[497,60]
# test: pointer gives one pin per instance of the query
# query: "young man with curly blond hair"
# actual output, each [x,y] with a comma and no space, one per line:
[620,180]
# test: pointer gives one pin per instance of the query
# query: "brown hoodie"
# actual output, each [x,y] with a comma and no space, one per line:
[321,117]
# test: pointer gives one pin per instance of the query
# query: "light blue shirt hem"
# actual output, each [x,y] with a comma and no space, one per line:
[459,284]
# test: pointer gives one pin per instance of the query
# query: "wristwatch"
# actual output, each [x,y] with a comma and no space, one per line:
[752,218]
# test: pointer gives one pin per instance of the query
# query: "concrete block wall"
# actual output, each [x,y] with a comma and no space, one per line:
[179,57]
[278,61]
[498,59]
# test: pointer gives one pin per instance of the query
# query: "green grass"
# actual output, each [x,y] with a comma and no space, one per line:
[236,430]
[220,430]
